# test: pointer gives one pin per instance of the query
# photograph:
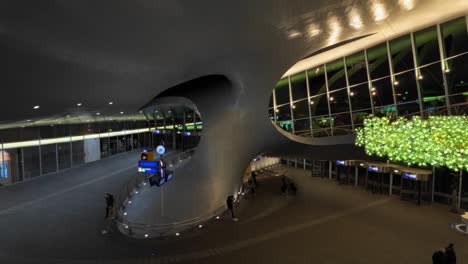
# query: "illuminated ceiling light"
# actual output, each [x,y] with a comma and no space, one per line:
[79,104]
[98,113]
[68,116]
[111,103]
[125,213]
[169,111]
[374,93]
[177,234]
[294,107]
[351,93]
[335,30]
[36,107]
[373,89]
[294,34]
[311,102]
[146,235]
[141,112]
[407,4]
[121,113]
[200,226]
[331,98]
[379,11]
[447,70]
[217,217]
[396,82]
[277,110]
[355,20]
[29,120]
[313,30]
[420,77]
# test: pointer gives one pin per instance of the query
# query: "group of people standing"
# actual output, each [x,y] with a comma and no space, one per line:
[445,255]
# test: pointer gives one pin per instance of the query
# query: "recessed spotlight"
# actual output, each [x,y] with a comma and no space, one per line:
[121,113]
[374,93]
[29,120]
[111,103]
[146,235]
[79,104]
[129,202]
[217,217]
[169,111]
[200,226]
[98,113]
[36,107]
[68,115]
[311,102]
[177,234]
[351,93]
[331,98]
[141,112]
[125,213]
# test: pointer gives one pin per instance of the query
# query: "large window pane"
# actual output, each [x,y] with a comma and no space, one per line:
[378,61]
[319,105]
[336,75]
[78,152]
[381,92]
[302,127]
[402,54]
[408,109]
[432,86]
[48,158]
[457,79]
[282,92]
[317,81]
[321,126]
[455,37]
[341,124]
[406,88]
[427,47]
[64,160]
[301,109]
[389,111]
[356,67]
[286,125]
[19,134]
[359,116]
[31,162]
[339,101]
[299,86]
[360,98]
[283,112]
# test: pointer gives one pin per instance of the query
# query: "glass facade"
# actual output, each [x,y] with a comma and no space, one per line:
[420,73]
[27,152]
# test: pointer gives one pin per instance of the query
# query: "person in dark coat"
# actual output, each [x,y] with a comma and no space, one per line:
[253,176]
[450,253]
[109,203]
[230,206]
[439,257]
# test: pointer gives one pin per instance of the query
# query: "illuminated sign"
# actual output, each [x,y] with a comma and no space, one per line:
[146,166]
[373,168]
[410,176]
[186,133]
[340,162]
[3,170]
[156,131]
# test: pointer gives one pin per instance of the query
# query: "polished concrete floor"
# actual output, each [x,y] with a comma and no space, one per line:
[57,219]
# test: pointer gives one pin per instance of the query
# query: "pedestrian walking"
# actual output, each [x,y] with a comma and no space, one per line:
[251,186]
[450,253]
[109,204]
[253,176]
[230,206]
[284,186]
[439,257]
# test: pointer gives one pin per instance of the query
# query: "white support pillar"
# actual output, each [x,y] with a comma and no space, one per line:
[330,166]
[304,163]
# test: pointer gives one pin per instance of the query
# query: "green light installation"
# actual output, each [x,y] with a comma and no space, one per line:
[440,141]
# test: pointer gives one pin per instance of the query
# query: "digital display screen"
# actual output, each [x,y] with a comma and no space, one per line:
[157,131]
[186,133]
[169,176]
[373,168]
[146,166]
[410,176]
[3,170]
[340,162]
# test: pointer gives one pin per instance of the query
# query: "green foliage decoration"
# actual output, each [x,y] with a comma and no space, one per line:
[440,141]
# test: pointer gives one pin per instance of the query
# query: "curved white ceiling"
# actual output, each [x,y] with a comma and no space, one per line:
[56,54]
